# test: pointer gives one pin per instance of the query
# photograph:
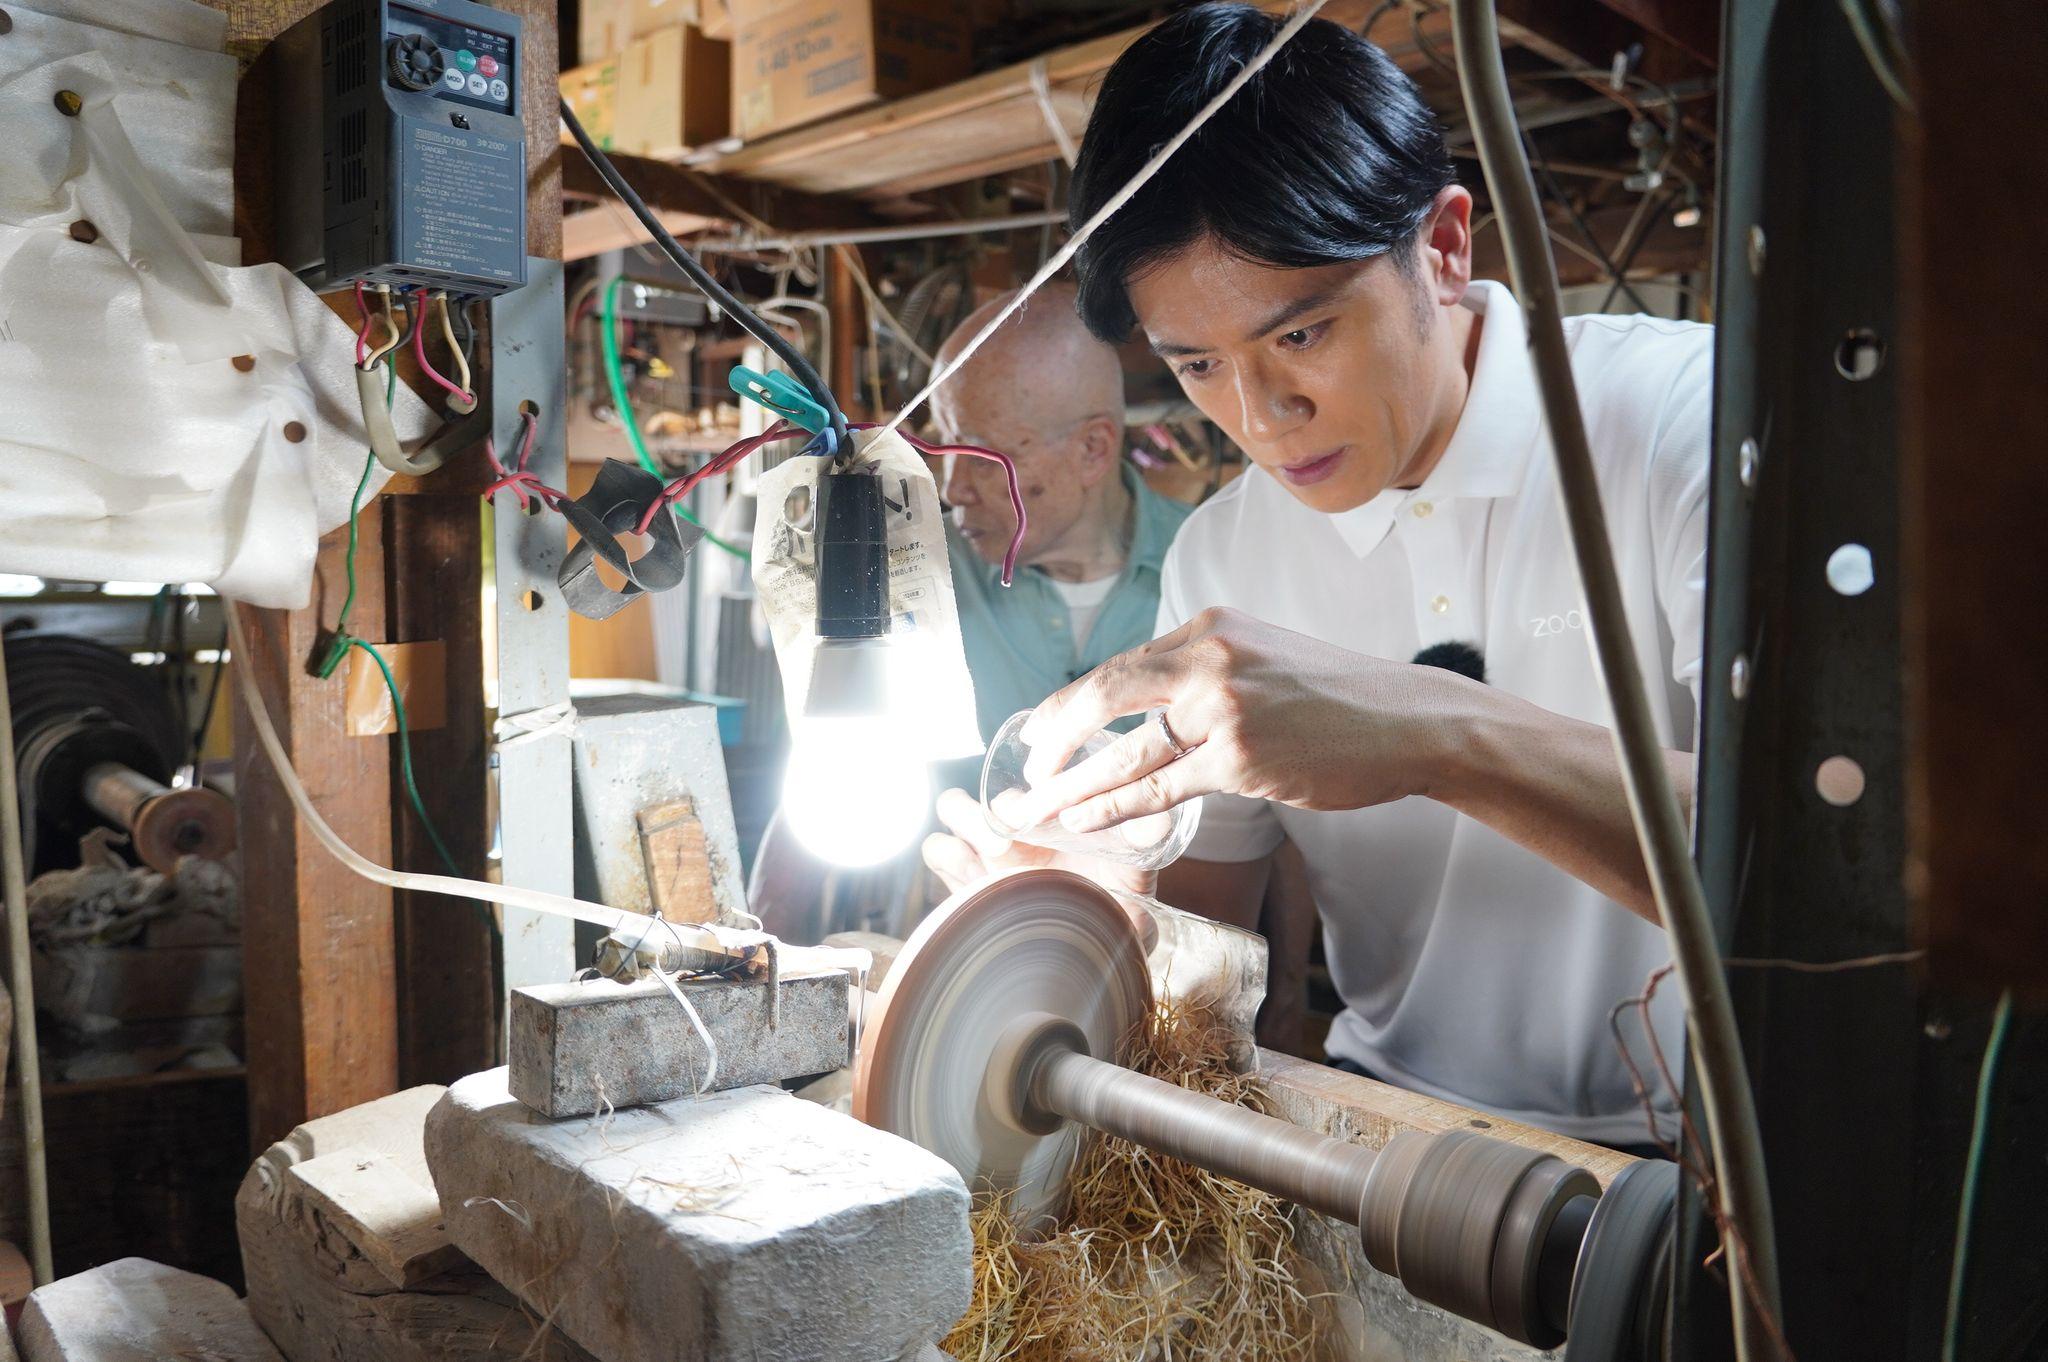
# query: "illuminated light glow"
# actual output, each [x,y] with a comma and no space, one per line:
[12,585]
[857,791]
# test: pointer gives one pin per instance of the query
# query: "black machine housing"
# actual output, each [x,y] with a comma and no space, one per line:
[401,147]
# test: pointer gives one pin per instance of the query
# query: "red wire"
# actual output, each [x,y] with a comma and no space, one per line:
[520,482]
[363,334]
[419,353]
[720,462]
[1009,473]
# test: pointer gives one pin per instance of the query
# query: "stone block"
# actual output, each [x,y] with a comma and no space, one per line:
[579,1048]
[739,1225]
[326,1257]
[133,1310]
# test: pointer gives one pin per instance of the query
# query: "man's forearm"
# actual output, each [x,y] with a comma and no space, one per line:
[1554,785]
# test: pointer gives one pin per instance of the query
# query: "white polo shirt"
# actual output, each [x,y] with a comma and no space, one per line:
[1471,969]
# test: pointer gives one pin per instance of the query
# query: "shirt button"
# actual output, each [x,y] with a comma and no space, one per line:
[1442,605]
[1422,509]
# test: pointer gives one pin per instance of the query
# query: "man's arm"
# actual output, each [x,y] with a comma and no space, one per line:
[1554,785]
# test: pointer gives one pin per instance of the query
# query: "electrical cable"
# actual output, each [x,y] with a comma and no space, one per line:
[1009,472]
[1600,254]
[1110,207]
[460,398]
[1675,884]
[623,403]
[1634,235]
[1973,1173]
[802,368]
[398,333]
[448,334]
[27,1052]
[707,937]
[412,790]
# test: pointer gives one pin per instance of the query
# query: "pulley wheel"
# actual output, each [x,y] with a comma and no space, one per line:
[1624,1272]
[1036,941]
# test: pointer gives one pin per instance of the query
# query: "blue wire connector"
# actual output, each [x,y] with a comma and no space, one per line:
[781,394]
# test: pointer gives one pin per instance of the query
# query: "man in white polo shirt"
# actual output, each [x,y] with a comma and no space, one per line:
[1304,267]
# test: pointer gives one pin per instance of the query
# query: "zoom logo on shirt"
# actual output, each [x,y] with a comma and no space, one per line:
[1544,626]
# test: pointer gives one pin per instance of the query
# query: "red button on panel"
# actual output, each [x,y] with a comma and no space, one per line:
[487,66]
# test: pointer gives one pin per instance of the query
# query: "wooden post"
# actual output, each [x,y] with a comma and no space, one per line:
[351,991]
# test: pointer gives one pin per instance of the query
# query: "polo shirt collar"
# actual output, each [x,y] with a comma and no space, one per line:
[1489,451]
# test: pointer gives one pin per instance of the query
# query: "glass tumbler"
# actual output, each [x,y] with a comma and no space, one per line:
[1147,843]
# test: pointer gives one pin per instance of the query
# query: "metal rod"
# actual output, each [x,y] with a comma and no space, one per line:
[117,793]
[164,824]
[13,878]
[860,236]
[1313,1170]
[1674,880]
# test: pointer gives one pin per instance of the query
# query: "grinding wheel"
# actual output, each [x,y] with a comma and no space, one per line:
[1035,941]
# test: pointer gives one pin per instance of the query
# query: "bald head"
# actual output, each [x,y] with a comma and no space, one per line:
[1050,395]
[1042,367]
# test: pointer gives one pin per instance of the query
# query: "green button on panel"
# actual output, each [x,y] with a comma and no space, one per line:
[466,59]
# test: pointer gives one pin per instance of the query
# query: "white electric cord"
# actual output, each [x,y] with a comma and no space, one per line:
[1674,880]
[13,857]
[1059,258]
[709,937]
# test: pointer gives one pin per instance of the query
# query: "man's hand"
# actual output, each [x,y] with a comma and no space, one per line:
[1260,711]
[973,852]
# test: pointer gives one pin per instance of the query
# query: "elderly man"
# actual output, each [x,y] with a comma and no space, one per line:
[1050,395]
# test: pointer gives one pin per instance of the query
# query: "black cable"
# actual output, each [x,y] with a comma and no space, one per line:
[1555,191]
[701,277]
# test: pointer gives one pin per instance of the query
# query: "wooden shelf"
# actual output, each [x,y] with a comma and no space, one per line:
[987,125]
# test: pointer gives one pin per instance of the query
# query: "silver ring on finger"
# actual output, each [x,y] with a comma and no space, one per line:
[1166,732]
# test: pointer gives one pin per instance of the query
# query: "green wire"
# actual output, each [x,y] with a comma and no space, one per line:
[343,641]
[412,791]
[616,376]
[1973,1170]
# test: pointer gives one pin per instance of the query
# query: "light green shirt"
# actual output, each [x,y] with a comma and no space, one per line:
[1020,642]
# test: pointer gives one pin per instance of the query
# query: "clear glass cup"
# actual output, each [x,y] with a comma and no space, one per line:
[1147,843]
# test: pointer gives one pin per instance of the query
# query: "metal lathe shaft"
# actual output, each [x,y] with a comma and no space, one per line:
[1314,1170]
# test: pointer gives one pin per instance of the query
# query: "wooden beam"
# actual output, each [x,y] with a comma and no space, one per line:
[326,984]
[686,201]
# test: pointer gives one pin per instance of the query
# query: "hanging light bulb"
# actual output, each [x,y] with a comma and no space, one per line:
[858,789]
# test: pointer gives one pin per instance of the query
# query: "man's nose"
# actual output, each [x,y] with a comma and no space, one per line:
[1268,409]
[960,485]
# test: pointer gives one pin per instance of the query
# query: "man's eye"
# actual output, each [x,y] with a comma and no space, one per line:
[1197,368]
[1305,336]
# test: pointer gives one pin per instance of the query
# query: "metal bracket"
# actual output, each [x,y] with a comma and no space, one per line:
[615,502]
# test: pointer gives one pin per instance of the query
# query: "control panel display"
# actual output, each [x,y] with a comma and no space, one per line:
[474,66]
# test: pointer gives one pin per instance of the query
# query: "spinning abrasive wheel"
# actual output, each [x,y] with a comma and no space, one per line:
[992,1047]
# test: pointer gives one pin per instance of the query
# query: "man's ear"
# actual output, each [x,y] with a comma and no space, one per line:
[1445,238]
[1102,446]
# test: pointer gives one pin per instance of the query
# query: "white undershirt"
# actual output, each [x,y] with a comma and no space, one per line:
[1084,602]
[1472,969]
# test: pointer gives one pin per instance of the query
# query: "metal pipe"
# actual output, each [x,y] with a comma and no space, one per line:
[1312,1170]
[164,824]
[27,1057]
[867,236]
[1674,880]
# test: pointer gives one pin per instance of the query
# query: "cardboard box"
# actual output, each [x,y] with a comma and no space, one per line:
[593,92]
[715,18]
[604,27]
[673,92]
[797,62]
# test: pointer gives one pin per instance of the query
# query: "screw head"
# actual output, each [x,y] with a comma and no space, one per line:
[1756,251]
[68,103]
[1747,457]
[1738,676]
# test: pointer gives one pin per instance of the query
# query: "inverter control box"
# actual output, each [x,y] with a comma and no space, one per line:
[401,147]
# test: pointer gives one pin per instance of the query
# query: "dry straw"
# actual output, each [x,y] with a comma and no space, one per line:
[1154,1258]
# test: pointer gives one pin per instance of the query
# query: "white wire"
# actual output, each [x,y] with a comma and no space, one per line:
[709,937]
[1065,253]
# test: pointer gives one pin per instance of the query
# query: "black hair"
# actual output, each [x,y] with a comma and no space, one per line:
[1328,154]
